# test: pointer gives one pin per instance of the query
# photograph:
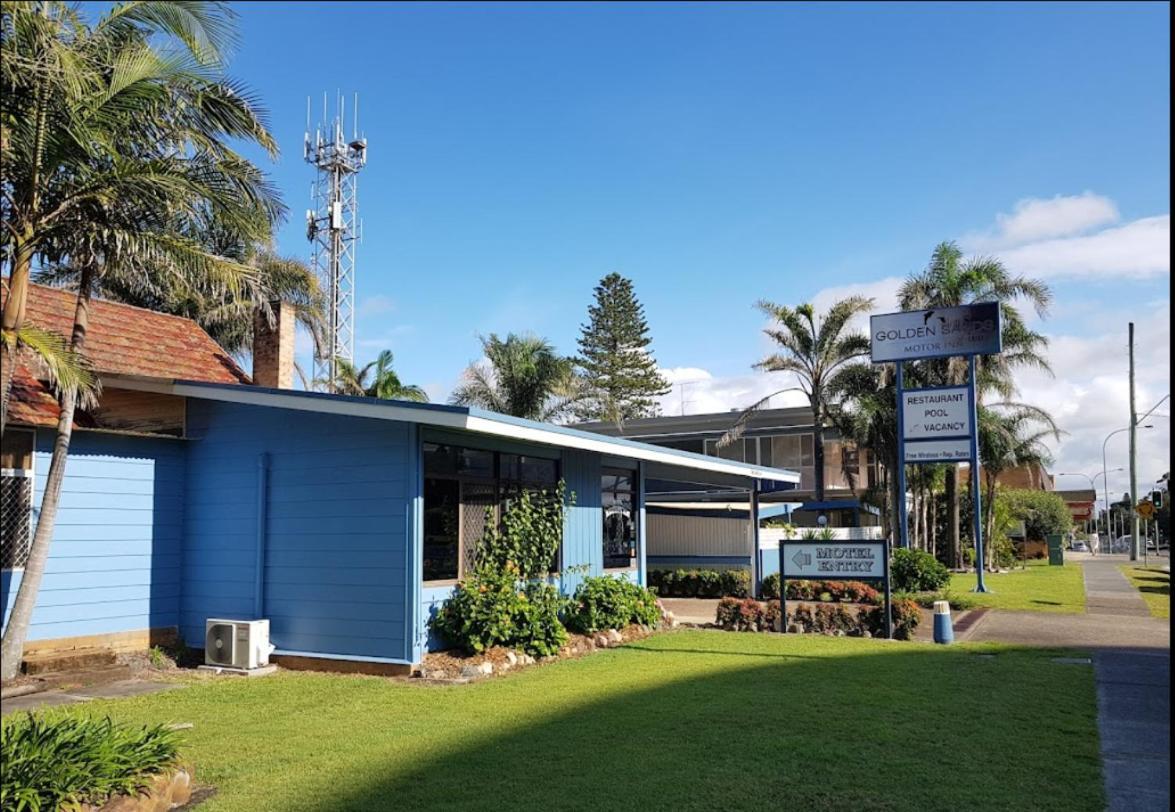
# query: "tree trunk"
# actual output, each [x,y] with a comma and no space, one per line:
[15,304]
[15,633]
[989,520]
[818,443]
[933,525]
[951,495]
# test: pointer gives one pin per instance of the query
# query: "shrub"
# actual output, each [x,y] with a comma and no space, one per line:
[906,616]
[917,571]
[745,614]
[490,609]
[771,586]
[604,602]
[63,763]
[506,601]
[700,583]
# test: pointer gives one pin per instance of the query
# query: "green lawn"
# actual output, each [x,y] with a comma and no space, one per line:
[1039,588]
[683,720]
[1154,585]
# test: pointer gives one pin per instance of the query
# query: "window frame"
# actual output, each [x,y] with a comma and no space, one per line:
[498,483]
[635,477]
[29,473]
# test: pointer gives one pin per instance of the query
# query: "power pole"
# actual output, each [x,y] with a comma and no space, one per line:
[1133,457]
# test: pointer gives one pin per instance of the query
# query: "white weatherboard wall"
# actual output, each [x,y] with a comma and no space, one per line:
[682,536]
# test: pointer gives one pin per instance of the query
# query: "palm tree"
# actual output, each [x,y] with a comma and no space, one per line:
[863,407]
[950,281]
[522,376]
[384,383]
[1010,435]
[114,168]
[114,135]
[815,350]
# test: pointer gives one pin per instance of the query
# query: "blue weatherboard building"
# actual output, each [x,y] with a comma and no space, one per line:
[344,521]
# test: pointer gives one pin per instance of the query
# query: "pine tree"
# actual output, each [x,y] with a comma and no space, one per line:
[618,370]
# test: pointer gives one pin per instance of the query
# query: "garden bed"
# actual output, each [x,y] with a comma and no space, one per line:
[458,667]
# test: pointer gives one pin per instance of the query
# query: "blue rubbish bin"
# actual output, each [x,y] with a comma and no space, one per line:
[944,632]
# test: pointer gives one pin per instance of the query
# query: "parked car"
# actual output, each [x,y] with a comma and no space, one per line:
[1079,546]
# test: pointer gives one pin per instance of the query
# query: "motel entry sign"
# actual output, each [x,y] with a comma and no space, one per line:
[832,560]
[913,334]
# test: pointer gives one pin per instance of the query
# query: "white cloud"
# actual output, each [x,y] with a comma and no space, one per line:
[1035,219]
[697,391]
[375,306]
[1138,249]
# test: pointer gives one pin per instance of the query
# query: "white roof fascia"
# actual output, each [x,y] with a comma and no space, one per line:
[449,417]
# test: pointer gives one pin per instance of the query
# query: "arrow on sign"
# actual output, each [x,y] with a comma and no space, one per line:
[801,559]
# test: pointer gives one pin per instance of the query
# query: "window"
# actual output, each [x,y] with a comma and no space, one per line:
[794,452]
[16,498]
[442,559]
[619,494]
[463,489]
[743,450]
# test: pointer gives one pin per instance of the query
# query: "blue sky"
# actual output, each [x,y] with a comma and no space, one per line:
[722,153]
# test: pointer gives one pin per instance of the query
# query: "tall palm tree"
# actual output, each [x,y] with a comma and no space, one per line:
[111,134]
[117,166]
[814,350]
[863,407]
[522,376]
[1010,435]
[949,281]
[376,379]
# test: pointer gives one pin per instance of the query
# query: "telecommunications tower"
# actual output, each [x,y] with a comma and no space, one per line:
[333,227]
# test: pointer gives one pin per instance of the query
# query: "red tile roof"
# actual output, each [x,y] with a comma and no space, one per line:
[121,339]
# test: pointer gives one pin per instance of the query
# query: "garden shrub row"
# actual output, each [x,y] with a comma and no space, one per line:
[682,583]
[750,615]
[63,763]
[826,591]
[611,603]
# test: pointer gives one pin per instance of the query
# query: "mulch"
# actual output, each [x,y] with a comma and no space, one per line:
[453,665]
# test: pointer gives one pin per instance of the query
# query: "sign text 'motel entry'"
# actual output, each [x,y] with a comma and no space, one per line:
[833,560]
[967,330]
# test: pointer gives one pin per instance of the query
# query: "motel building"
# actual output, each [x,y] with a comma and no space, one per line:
[195,491]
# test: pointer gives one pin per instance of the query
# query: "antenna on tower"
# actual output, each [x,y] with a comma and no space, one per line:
[333,229]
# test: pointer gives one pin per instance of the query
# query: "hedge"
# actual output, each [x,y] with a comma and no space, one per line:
[746,614]
[700,583]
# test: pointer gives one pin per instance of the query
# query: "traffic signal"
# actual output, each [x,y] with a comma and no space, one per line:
[1157,499]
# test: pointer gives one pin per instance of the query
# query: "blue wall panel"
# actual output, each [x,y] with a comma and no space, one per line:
[336,504]
[114,562]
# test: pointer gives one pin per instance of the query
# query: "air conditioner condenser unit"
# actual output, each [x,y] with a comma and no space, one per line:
[240,644]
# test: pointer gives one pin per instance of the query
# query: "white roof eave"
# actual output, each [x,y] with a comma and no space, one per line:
[452,417]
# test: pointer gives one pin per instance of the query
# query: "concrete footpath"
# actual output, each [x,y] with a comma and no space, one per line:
[1132,667]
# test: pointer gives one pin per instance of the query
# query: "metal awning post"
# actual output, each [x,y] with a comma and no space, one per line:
[756,552]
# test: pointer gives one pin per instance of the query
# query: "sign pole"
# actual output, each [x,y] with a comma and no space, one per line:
[976,502]
[903,515]
[888,599]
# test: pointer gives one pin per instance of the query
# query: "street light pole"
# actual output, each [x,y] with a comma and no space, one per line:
[1093,487]
[1106,484]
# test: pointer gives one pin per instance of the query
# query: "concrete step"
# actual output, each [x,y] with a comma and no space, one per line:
[80,659]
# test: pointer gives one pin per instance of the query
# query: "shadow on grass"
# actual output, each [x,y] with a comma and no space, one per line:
[1046,603]
[864,729]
